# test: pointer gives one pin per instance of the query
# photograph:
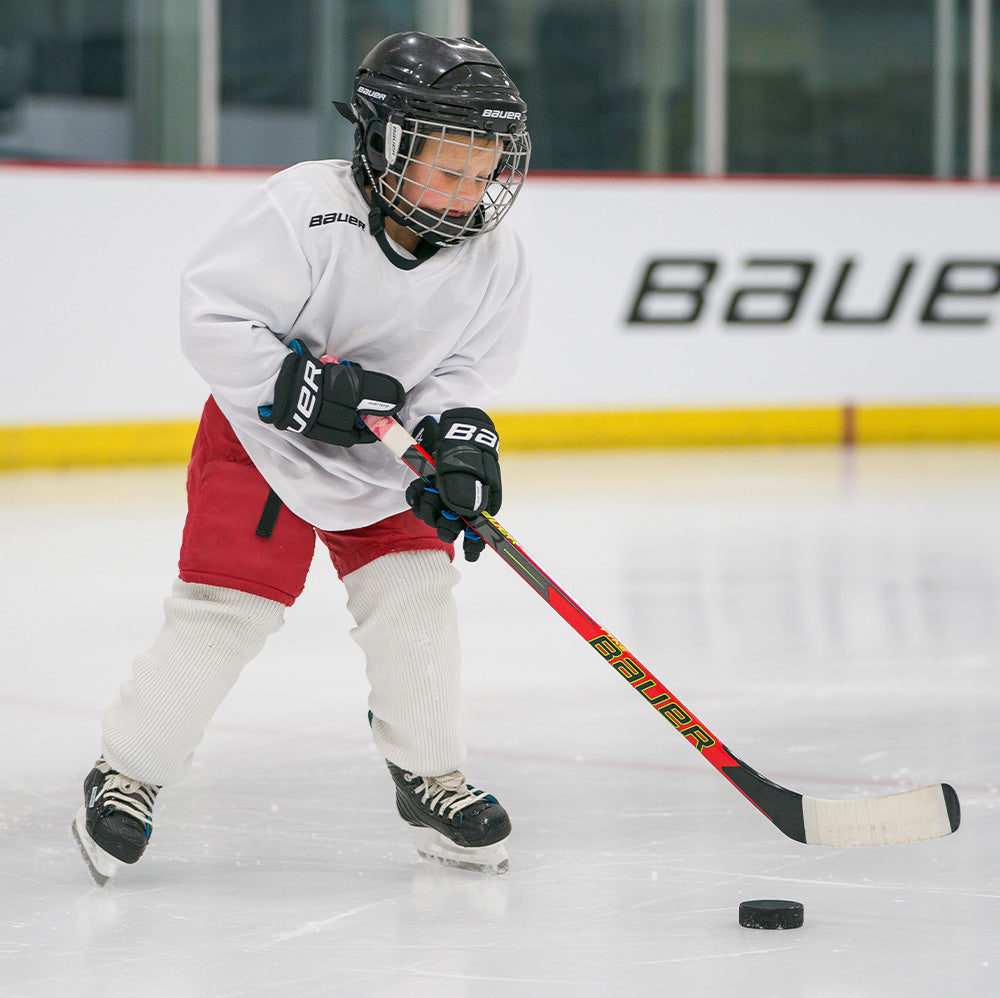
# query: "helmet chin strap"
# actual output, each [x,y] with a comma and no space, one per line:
[376,223]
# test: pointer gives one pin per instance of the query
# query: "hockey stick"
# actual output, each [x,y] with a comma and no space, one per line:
[913,816]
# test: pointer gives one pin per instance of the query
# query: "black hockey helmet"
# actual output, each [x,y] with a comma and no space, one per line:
[446,99]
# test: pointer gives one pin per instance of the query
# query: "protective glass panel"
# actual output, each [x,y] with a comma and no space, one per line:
[609,85]
[281,66]
[846,86]
[63,80]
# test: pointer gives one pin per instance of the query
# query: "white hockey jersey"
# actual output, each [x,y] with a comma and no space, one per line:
[297,262]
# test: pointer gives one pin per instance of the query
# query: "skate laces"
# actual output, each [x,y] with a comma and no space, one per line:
[446,794]
[132,797]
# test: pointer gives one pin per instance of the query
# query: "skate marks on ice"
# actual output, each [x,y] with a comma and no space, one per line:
[850,605]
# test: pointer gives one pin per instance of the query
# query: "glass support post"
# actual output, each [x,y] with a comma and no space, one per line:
[711,99]
[443,17]
[979,91]
[208,82]
[944,88]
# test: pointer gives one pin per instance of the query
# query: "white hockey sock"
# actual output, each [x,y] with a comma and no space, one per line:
[208,636]
[407,626]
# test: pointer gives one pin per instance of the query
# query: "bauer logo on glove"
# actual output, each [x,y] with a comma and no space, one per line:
[478,434]
[323,401]
[306,403]
[466,480]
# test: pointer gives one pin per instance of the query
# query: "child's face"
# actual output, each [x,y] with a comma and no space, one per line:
[449,176]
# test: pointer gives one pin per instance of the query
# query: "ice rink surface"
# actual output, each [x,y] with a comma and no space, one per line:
[833,616]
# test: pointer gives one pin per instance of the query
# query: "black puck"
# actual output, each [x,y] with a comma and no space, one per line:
[771,914]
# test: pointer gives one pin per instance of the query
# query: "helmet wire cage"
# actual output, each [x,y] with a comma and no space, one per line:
[449,183]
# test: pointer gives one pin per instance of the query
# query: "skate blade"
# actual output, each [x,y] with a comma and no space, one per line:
[102,866]
[434,846]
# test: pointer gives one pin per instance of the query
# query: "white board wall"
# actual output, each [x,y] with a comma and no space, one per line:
[649,292]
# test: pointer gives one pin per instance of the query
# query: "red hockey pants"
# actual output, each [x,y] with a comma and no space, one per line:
[227,497]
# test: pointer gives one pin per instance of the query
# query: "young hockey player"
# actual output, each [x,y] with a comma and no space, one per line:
[394,264]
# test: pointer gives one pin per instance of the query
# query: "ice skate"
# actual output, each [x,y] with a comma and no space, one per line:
[453,822]
[113,826]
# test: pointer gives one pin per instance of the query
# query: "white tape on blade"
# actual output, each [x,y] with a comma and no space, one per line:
[912,816]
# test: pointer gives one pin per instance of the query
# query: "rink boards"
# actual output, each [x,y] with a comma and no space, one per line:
[666,311]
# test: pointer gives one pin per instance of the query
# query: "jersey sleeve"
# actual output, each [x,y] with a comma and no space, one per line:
[239,295]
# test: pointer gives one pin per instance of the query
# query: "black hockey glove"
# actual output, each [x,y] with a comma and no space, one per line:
[466,479]
[322,400]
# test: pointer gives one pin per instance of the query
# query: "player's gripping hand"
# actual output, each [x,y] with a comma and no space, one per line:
[466,479]
[323,401]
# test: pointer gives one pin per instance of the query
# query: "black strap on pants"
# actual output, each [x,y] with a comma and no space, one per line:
[269,516]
